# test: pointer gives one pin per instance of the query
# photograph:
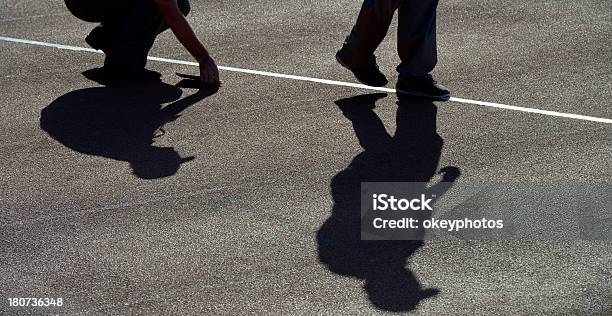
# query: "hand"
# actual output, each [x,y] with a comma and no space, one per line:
[209,73]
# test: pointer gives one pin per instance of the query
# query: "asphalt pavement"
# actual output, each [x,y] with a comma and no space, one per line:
[152,198]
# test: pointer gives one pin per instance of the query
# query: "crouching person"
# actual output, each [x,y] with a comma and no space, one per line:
[128,29]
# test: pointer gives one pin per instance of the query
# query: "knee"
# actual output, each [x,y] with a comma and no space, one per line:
[184,6]
[90,11]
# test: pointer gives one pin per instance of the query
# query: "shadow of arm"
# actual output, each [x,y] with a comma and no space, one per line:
[449,176]
[171,112]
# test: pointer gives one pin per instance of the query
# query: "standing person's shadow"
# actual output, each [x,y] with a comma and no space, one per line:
[120,121]
[411,155]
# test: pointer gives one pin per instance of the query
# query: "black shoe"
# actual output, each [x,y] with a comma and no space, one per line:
[368,74]
[422,86]
[99,38]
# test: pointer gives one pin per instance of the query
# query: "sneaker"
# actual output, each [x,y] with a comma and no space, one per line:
[367,74]
[422,86]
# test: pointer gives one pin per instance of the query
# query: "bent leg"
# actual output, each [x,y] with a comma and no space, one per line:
[416,37]
[135,32]
[369,30]
[91,10]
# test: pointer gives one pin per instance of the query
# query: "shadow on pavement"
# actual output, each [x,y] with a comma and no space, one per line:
[411,155]
[120,121]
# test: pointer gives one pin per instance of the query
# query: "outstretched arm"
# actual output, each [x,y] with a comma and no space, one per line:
[209,73]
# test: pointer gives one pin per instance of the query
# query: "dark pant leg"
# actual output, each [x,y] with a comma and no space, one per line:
[134,31]
[416,38]
[369,30]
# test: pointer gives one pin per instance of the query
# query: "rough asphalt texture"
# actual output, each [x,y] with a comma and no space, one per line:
[92,212]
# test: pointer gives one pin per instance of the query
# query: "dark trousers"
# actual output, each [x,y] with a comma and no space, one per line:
[128,29]
[416,36]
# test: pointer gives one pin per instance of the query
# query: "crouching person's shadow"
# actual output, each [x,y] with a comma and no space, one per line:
[120,121]
[411,155]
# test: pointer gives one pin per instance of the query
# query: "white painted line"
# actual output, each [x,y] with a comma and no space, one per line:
[322,81]
[537,111]
[277,75]
[66,47]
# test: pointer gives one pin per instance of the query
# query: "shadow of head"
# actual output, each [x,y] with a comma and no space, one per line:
[120,121]
[411,154]
[396,291]
[157,162]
